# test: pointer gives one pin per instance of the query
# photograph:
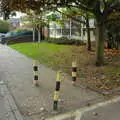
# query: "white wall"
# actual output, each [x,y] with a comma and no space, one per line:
[55,30]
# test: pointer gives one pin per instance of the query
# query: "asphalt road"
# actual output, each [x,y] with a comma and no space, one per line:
[106,112]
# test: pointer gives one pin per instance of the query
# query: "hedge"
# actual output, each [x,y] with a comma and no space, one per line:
[64,40]
[4,26]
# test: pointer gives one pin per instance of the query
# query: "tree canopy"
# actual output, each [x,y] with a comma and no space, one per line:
[101,9]
[97,7]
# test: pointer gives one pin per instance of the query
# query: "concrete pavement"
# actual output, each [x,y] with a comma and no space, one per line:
[36,103]
[8,108]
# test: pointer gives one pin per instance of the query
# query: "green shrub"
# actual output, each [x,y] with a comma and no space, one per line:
[64,40]
[4,26]
[20,30]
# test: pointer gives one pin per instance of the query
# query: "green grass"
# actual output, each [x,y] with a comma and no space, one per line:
[61,57]
[46,53]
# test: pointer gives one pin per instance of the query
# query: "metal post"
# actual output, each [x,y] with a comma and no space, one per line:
[74,72]
[56,93]
[35,71]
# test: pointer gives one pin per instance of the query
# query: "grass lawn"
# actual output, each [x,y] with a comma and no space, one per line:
[49,54]
[61,56]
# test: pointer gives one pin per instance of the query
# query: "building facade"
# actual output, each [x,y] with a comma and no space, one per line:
[72,29]
[15,23]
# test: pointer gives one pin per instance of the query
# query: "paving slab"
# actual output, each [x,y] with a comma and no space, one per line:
[8,108]
[16,71]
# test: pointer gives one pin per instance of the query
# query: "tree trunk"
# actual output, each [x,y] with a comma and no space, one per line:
[5,16]
[88,33]
[48,26]
[39,36]
[70,30]
[42,32]
[100,44]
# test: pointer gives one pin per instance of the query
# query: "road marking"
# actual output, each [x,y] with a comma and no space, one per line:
[78,116]
[78,113]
